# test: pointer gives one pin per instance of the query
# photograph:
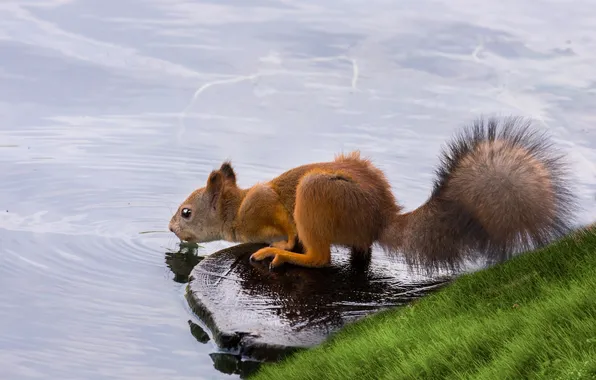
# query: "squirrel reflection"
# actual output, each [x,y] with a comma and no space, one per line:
[182,261]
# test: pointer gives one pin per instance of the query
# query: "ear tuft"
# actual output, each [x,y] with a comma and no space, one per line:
[228,171]
[215,181]
[214,186]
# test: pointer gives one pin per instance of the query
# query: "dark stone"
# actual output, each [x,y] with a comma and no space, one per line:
[265,315]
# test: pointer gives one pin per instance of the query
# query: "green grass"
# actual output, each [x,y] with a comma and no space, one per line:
[531,317]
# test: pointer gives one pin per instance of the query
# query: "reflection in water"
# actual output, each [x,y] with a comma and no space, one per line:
[181,263]
[198,332]
[233,365]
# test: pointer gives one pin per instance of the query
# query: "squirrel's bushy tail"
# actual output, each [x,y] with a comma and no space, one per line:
[501,189]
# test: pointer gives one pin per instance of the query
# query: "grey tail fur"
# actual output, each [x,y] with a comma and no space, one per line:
[501,189]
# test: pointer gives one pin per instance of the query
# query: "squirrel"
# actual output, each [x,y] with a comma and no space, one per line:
[500,189]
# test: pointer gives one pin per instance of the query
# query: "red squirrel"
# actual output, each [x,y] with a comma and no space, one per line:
[500,188]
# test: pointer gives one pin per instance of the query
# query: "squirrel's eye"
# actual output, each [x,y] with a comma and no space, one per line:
[185,213]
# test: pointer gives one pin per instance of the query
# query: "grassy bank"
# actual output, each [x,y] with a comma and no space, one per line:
[531,317]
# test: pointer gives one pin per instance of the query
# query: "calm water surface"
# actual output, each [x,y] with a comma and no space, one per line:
[111,112]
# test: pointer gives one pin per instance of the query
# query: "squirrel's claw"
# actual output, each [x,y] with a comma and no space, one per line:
[268,252]
[277,261]
[262,254]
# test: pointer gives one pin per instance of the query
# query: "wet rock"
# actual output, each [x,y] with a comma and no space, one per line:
[265,315]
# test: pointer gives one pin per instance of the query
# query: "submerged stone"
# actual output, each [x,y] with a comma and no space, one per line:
[264,315]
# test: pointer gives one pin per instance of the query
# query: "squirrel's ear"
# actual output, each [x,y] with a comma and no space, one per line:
[214,186]
[228,171]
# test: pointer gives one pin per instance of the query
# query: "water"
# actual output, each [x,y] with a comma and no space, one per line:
[101,136]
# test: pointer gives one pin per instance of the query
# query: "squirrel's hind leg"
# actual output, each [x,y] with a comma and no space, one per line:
[360,258]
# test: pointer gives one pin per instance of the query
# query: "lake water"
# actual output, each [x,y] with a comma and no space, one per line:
[112,112]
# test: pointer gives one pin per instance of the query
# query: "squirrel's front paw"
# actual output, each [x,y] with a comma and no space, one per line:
[264,253]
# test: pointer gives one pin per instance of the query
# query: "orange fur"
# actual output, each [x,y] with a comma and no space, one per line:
[496,192]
